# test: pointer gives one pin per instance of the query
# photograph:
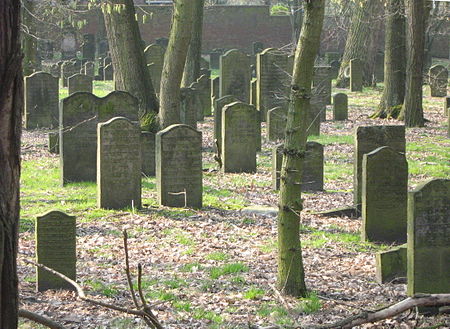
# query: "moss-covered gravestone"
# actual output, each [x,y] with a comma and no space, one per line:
[235,75]
[391,265]
[154,55]
[438,75]
[356,75]
[276,123]
[119,164]
[56,249]
[218,106]
[179,166]
[239,137]
[79,82]
[148,153]
[340,107]
[429,238]
[367,139]
[384,196]
[41,101]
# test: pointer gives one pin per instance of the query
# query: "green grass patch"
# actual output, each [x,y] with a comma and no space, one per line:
[254,293]
[100,287]
[218,256]
[217,272]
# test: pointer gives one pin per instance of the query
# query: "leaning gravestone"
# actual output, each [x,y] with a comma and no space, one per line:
[276,123]
[368,139]
[239,137]
[41,101]
[148,153]
[312,178]
[179,166]
[340,107]
[235,75]
[79,82]
[119,164]
[384,196]
[108,72]
[438,75]
[356,75]
[428,238]
[154,55]
[219,104]
[56,249]
[68,68]
[189,104]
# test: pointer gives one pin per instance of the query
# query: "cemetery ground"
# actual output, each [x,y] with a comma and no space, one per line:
[216,267]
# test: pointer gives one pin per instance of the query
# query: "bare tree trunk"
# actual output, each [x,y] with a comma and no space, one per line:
[192,66]
[11,104]
[291,279]
[127,54]
[174,61]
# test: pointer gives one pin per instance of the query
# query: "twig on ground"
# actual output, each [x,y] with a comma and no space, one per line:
[49,323]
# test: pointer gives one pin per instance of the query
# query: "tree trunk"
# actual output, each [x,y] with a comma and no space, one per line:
[412,111]
[11,104]
[394,62]
[192,66]
[29,44]
[296,20]
[290,265]
[174,60]
[359,41]
[127,54]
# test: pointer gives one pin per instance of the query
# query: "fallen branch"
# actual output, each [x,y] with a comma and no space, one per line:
[418,300]
[49,323]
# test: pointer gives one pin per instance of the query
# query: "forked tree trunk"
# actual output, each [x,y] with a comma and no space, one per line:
[291,279]
[29,44]
[412,111]
[174,61]
[394,62]
[127,54]
[192,67]
[11,104]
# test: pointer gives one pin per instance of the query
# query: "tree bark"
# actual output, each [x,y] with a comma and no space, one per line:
[29,44]
[127,54]
[394,62]
[174,61]
[412,111]
[290,265]
[11,105]
[192,66]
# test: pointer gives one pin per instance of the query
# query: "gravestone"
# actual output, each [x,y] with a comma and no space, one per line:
[41,101]
[108,72]
[239,137]
[189,104]
[79,82]
[68,68]
[316,114]
[335,65]
[218,106]
[369,138]
[438,75]
[428,238]
[253,86]
[68,44]
[322,82]
[215,89]
[384,196]
[101,73]
[340,107]
[197,94]
[79,115]
[119,164]
[154,55]
[276,123]
[107,60]
[446,105]
[56,249]
[53,142]
[312,178]
[89,69]
[88,47]
[203,88]
[179,166]
[273,71]
[391,264]
[148,153]
[235,75]
[214,58]
[356,75]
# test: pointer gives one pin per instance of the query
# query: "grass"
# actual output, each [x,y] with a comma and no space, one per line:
[254,293]
[217,272]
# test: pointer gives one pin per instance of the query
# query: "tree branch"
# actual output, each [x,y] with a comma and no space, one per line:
[40,319]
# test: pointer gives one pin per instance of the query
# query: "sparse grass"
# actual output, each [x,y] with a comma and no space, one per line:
[254,293]
[201,313]
[100,287]
[309,304]
[218,256]
[217,272]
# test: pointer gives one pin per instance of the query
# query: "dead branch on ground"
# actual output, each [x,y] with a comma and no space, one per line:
[49,323]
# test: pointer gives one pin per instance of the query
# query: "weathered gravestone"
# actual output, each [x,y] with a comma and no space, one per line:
[276,123]
[68,69]
[189,104]
[119,164]
[438,75]
[322,82]
[41,101]
[235,75]
[240,123]
[56,249]
[154,55]
[108,72]
[179,166]
[89,69]
[312,178]
[68,44]
[446,105]
[88,47]
[384,196]
[79,115]
[367,139]
[214,58]
[218,106]
[315,115]
[356,75]
[428,238]
[148,153]
[273,71]
[340,107]
[391,265]
[253,86]
[53,142]
[79,82]
[202,87]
